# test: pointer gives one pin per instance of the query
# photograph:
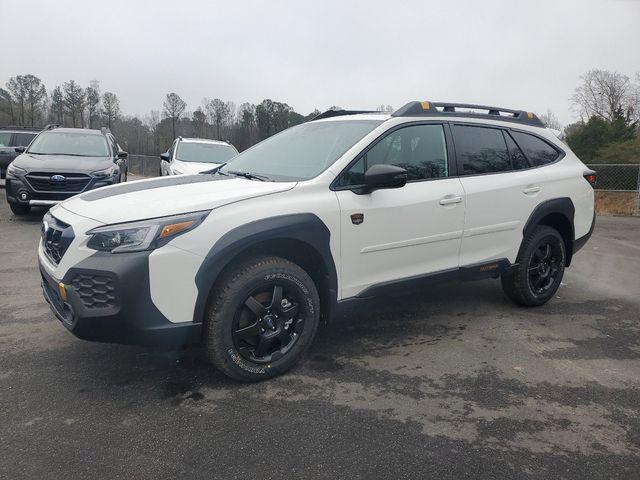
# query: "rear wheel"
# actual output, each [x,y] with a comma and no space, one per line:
[19,209]
[540,268]
[262,317]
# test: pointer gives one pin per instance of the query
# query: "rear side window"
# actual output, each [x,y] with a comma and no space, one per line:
[481,150]
[537,151]
[23,139]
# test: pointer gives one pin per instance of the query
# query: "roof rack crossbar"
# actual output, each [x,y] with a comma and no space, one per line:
[338,113]
[415,109]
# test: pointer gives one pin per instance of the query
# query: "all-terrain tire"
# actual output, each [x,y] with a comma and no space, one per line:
[230,297]
[519,285]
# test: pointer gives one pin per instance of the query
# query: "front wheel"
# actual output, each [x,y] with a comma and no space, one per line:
[540,268]
[262,317]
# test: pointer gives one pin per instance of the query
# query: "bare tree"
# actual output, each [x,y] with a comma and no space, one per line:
[152,120]
[550,120]
[110,108]
[36,98]
[6,105]
[93,101]
[384,108]
[174,108]
[603,94]
[57,105]
[219,114]
[18,90]
[74,102]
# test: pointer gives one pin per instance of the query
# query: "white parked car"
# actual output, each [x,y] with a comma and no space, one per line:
[324,215]
[194,155]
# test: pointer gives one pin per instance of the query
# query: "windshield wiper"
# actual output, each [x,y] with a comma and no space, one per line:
[250,176]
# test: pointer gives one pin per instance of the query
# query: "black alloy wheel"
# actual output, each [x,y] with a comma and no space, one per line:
[544,266]
[266,325]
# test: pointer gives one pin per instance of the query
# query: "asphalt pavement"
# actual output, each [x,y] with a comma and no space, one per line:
[451,382]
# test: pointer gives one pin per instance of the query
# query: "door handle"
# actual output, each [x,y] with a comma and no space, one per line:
[450,199]
[531,189]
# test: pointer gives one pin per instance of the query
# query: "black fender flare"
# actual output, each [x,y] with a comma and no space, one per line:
[562,206]
[303,227]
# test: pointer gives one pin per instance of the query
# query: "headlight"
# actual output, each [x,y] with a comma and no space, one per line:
[13,171]
[144,235]
[107,172]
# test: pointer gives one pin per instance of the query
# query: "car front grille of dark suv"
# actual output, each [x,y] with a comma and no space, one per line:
[62,182]
[56,237]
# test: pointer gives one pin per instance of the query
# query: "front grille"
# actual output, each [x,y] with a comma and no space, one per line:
[62,182]
[95,291]
[56,237]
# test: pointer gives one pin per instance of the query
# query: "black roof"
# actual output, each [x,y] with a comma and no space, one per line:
[421,109]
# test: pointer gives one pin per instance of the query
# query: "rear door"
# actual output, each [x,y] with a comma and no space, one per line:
[501,192]
[395,234]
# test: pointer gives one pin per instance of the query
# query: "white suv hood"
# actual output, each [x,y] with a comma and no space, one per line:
[164,196]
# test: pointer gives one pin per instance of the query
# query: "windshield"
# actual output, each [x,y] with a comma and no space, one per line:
[204,152]
[301,152]
[68,143]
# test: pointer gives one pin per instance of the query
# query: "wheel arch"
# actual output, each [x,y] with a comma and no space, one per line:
[300,238]
[557,213]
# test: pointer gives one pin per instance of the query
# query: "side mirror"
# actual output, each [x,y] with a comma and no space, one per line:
[384,176]
[122,154]
[165,157]
[20,149]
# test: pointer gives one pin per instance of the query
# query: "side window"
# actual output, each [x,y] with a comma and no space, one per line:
[22,139]
[537,151]
[518,160]
[420,149]
[481,150]
[5,139]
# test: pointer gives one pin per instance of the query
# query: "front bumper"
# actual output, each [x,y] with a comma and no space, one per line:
[108,300]
[20,191]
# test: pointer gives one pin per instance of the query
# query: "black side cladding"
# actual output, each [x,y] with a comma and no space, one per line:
[303,227]
[559,206]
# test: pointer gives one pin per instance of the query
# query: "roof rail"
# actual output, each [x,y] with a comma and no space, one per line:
[338,113]
[105,130]
[51,126]
[20,127]
[419,109]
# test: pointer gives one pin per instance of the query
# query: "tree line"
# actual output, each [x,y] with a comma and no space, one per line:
[607,104]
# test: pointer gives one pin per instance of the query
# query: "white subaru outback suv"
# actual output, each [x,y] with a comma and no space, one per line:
[195,155]
[327,214]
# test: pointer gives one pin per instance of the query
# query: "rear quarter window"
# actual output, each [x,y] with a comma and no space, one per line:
[5,138]
[537,150]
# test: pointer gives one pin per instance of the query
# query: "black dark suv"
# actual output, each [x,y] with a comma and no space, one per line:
[11,137]
[62,162]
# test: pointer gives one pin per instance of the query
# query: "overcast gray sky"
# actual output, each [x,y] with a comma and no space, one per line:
[357,54]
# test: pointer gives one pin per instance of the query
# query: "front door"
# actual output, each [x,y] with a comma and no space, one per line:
[394,234]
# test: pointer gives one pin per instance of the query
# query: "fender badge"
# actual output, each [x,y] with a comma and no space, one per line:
[357,218]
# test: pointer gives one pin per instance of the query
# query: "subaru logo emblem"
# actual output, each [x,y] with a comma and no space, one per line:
[57,178]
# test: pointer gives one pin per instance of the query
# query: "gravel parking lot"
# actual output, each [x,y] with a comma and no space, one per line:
[452,382]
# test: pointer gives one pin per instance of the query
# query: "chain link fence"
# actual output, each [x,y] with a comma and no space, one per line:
[617,189]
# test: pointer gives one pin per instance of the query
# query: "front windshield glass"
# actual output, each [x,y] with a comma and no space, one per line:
[204,152]
[301,152]
[69,143]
